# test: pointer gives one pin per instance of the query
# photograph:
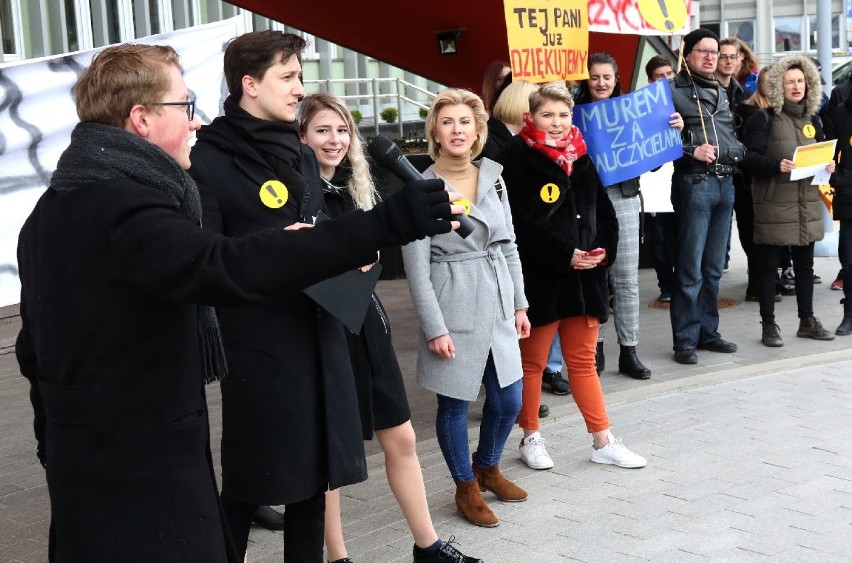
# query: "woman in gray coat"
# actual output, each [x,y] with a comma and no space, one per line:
[469,297]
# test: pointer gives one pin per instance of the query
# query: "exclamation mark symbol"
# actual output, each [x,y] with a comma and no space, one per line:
[271,190]
[549,192]
[669,24]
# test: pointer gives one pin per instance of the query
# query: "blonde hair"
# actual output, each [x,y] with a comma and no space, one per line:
[555,91]
[360,185]
[514,102]
[759,98]
[455,97]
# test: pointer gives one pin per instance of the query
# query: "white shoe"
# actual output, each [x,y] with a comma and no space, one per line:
[616,453]
[534,453]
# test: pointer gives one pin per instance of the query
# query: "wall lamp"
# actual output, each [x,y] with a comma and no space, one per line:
[448,41]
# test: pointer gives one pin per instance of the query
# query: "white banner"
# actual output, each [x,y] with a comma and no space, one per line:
[622,16]
[37,114]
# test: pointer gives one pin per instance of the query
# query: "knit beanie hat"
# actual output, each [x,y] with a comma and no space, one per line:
[694,36]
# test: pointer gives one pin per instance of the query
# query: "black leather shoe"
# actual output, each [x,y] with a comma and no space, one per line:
[722,346]
[629,364]
[269,518]
[543,411]
[448,553]
[687,356]
[600,359]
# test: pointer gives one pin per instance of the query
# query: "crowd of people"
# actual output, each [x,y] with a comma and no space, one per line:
[172,269]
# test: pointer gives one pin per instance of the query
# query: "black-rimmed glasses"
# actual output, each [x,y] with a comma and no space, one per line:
[732,58]
[190,106]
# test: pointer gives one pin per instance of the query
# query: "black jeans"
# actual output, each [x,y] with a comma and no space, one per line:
[766,263]
[304,527]
[744,210]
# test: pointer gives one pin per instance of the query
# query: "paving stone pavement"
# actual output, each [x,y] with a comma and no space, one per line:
[747,454]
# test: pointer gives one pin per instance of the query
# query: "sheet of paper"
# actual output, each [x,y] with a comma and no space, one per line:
[821,177]
[810,159]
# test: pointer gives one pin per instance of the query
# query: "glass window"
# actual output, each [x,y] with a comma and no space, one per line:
[788,34]
[835,32]
[743,30]
[183,15]
[8,32]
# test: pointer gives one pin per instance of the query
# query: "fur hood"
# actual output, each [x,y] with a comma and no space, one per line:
[775,83]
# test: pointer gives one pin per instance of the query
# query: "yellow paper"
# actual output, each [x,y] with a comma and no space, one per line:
[811,158]
[548,39]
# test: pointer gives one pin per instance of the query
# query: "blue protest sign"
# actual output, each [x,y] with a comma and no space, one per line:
[630,134]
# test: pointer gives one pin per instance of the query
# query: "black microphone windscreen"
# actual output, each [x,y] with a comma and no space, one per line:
[384,152]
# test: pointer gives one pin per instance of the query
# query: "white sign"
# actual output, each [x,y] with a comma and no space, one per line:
[37,115]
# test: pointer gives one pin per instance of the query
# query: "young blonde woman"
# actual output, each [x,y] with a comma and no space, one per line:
[469,298]
[567,237]
[327,127]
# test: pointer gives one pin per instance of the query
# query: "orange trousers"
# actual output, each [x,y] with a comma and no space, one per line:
[579,337]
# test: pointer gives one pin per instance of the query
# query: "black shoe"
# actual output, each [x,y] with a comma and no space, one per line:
[269,518]
[554,382]
[344,560]
[785,288]
[817,279]
[845,327]
[722,346]
[812,328]
[771,335]
[600,359]
[543,411]
[447,553]
[687,356]
[629,364]
[664,297]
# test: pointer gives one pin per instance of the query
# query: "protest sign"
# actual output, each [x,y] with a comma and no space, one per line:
[548,39]
[623,16]
[630,134]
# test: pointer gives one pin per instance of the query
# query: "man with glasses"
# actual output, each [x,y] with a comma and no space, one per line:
[114,341]
[702,197]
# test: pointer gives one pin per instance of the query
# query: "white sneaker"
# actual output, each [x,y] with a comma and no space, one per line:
[616,453]
[534,453]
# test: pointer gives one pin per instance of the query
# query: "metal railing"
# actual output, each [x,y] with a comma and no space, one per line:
[402,88]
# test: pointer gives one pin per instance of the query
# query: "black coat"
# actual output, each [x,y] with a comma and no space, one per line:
[290,423]
[111,274]
[498,137]
[841,180]
[548,232]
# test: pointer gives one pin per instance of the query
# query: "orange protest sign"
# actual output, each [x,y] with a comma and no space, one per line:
[548,39]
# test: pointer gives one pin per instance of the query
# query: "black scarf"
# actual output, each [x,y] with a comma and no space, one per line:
[102,152]
[277,141]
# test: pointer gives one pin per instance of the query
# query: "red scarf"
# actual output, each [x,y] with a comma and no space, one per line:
[563,152]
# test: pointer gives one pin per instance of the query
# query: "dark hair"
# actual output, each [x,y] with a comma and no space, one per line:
[489,83]
[251,54]
[655,62]
[603,58]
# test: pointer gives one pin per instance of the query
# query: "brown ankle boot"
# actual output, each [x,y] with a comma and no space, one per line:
[470,505]
[490,479]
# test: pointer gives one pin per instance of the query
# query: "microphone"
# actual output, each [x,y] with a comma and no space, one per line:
[388,156]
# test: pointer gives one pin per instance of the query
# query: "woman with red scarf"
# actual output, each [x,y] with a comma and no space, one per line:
[567,234]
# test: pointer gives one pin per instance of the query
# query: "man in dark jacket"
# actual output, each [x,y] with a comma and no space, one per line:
[841,181]
[116,347]
[702,197]
[290,420]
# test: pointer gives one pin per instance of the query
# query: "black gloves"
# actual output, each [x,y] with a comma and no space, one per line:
[420,209]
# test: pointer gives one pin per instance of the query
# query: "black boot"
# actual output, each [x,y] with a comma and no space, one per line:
[600,359]
[845,327]
[629,364]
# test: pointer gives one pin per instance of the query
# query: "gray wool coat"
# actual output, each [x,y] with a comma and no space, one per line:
[470,289]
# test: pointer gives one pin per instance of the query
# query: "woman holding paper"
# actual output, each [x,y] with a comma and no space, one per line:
[327,127]
[786,212]
[603,83]
[469,298]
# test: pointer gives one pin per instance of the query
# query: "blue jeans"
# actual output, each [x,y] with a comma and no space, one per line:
[702,205]
[554,357]
[498,418]
[844,253]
